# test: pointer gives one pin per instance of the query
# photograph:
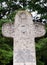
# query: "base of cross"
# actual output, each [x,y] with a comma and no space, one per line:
[24,63]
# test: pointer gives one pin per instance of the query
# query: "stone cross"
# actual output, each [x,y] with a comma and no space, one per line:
[23,31]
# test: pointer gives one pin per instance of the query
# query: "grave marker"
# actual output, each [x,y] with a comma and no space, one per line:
[23,31]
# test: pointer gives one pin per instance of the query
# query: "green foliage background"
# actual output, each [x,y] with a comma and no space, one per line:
[6,44]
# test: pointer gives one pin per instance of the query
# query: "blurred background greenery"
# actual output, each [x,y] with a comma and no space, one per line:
[8,10]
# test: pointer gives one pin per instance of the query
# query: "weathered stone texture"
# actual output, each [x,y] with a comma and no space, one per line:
[23,31]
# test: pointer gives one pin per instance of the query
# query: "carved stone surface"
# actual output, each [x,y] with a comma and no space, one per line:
[24,56]
[23,31]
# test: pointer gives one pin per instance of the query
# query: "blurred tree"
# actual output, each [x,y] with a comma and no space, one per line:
[9,6]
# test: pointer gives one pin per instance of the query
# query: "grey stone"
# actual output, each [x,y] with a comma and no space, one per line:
[23,31]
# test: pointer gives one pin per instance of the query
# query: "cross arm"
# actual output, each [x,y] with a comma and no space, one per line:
[39,29]
[8,30]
